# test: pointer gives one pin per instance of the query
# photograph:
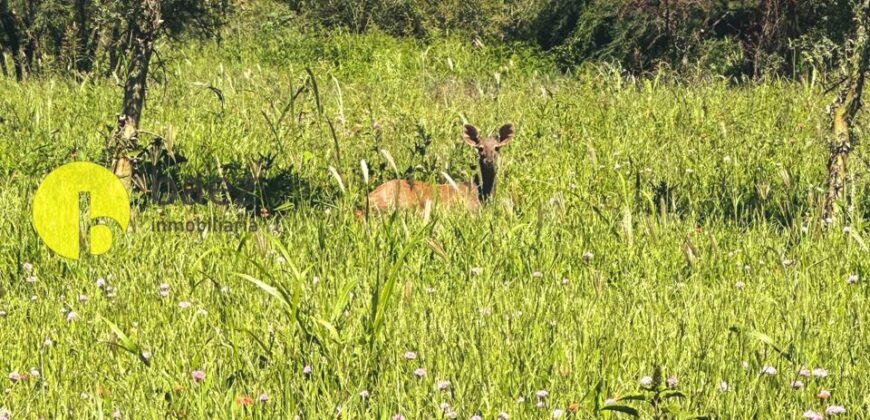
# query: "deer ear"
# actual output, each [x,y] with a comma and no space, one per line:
[505,134]
[469,134]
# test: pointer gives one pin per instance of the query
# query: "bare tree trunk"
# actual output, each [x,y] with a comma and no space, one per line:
[31,47]
[84,60]
[843,111]
[9,24]
[145,27]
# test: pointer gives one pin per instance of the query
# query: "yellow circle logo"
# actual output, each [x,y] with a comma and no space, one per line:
[79,198]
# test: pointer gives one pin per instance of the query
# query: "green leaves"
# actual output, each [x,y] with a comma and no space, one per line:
[621,409]
[313,327]
[761,338]
[126,343]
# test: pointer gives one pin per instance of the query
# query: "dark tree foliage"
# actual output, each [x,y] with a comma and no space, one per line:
[737,38]
[731,37]
[88,35]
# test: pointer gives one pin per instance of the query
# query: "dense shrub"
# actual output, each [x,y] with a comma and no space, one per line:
[757,38]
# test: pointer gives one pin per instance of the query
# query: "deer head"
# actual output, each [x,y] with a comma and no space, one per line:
[488,148]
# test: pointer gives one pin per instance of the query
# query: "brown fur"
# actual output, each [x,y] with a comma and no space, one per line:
[403,194]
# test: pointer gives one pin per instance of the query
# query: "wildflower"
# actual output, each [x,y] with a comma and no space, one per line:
[823,394]
[444,406]
[34,372]
[820,373]
[31,279]
[769,370]
[443,385]
[263,397]
[539,404]
[804,229]
[28,267]
[101,282]
[197,375]
[14,376]
[846,229]
[557,413]
[672,381]
[537,274]
[804,372]
[364,394]
[503,415]
[573,407]
[47,342]
[5,414]
[745,364]
[476,271]
[281,259]
[739,284]
[184,304]
[410,355]
[587,256]
[565,281]
[797,384]
[244,400]
[646,381]
[2,313]
[306,370]
[83,298]
[116,414]
[71,316]
[420,372]
[542,394]
[723,386]
[812,415]
[853,278]
[146,355]
[833,410]
[163,290]
[521,399]
[452,414]
[610,401]
[476,417]
[398,417]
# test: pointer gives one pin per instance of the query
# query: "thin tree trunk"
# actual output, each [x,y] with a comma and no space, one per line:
[9,24]
[31,46]
[145,27]
[84,61]
[843,111]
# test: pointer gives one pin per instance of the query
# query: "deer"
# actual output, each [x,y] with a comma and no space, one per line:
[400,194]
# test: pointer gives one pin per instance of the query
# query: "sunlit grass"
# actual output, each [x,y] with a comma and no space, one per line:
[637,225]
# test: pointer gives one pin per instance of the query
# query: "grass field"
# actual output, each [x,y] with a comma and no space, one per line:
[639,225]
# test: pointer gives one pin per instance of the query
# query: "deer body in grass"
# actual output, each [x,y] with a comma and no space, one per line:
[404,194]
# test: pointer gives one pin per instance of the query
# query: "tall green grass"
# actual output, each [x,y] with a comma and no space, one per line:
[638,225]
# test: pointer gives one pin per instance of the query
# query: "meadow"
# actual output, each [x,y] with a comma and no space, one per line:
[653,247]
